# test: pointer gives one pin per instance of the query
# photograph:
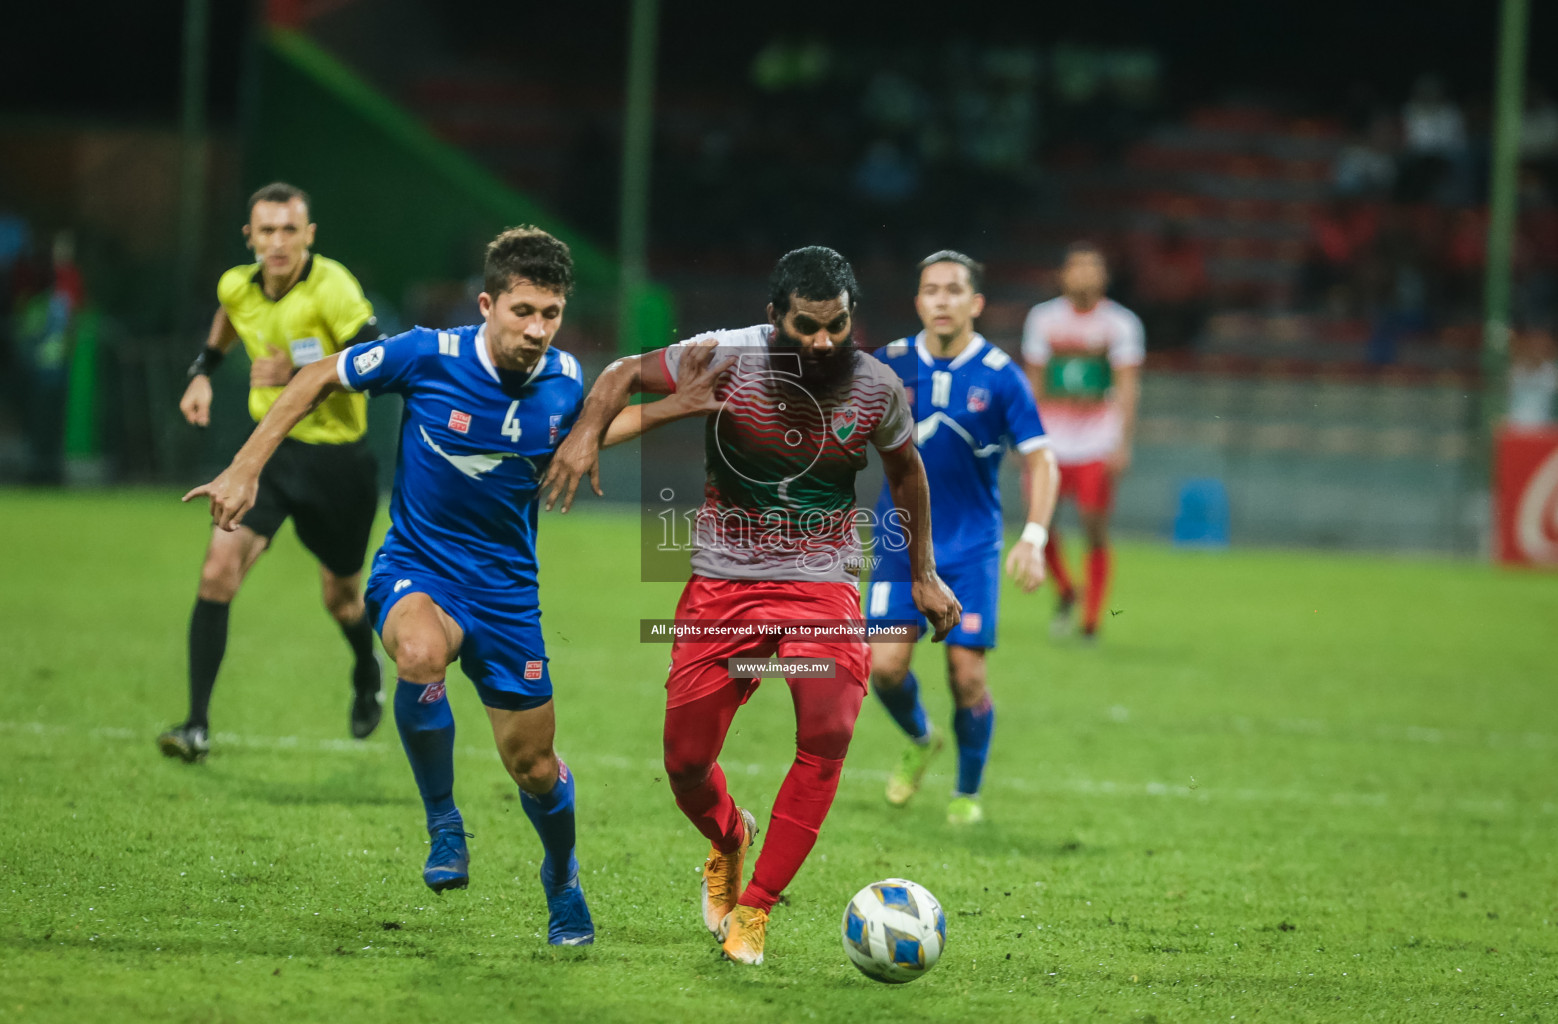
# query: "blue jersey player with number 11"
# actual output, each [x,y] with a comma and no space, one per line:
[485,408]
[971,403]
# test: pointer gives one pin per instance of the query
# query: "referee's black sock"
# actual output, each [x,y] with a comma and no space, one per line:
[365,674]
[207,644]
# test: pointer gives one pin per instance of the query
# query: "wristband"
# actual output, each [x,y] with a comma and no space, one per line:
[206,362]
[1036,534]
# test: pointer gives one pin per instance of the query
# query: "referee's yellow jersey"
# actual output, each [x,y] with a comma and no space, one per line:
[321,314]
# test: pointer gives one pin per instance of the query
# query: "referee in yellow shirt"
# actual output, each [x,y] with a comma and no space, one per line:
[289,308]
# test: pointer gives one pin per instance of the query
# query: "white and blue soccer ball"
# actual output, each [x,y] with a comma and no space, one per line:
[894,930]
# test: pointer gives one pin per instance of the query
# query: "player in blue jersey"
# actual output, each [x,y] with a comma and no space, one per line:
[971,403]
[485,408]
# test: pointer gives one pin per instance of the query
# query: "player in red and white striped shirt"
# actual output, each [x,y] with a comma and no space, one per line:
[1083,353]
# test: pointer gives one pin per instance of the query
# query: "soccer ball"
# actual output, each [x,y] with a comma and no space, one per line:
[894,930]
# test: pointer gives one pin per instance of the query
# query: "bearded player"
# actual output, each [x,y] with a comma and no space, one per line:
[1084,354]
[971,404]
[776,540]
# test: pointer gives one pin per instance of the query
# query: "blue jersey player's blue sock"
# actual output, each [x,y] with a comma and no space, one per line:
[973,727]
[903,703]
[427,732]
[552,815]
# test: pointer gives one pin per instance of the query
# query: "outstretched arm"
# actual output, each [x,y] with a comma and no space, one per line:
[232,492]
[579,454]
[911,494]
[697,381]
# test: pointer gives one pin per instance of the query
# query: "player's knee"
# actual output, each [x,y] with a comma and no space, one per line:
[888,677]
[968,690]
[344,603]
[829,740]
[420,659]
[685,772]
[534,770]
[220,576]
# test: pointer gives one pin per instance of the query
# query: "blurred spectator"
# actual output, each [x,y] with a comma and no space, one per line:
[1533,377]
[1366,167]
[1170,283]
[1539,138]
[15,244]
[1398,288]
[1463,256]
[44,337]
[1342,237]
[1434,148]
[1539,126]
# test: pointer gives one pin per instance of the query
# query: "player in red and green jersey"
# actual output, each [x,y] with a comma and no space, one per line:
[798,410]
[1084,353]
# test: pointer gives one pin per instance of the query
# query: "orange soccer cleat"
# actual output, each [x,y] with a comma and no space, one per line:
[722,876]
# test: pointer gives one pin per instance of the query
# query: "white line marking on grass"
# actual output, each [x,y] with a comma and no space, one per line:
[1488,805]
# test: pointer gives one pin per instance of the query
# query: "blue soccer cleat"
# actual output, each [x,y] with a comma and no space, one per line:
[449,861]
[570,923]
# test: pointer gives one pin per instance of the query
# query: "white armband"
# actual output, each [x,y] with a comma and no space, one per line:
[1036,534]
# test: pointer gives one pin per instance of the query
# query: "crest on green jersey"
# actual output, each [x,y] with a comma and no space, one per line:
[844,422]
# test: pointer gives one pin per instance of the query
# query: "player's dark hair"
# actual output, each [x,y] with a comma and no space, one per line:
[279,192]
[1085,248]
[815,272]
[976,270]
[530,254]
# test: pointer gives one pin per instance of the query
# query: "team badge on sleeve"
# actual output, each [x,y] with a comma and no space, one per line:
[844,422]
[369,359]
[553,429]
[978,399]
[459,422]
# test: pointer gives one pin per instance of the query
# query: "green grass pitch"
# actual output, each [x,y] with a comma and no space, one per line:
[1287,786]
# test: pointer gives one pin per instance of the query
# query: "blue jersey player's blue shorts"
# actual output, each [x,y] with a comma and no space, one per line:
[975,582]
[502,653]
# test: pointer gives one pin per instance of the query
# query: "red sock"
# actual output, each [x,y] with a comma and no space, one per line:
[802,803]
[825,713]
[1055,559]
[694,734]
[1097,587]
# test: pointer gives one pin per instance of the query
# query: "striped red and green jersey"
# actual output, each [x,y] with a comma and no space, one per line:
[780,463]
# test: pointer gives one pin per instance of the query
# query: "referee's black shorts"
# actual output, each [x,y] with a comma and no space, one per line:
[331,491]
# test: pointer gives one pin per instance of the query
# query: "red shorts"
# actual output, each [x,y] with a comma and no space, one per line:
[1090,483]
[699,669]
